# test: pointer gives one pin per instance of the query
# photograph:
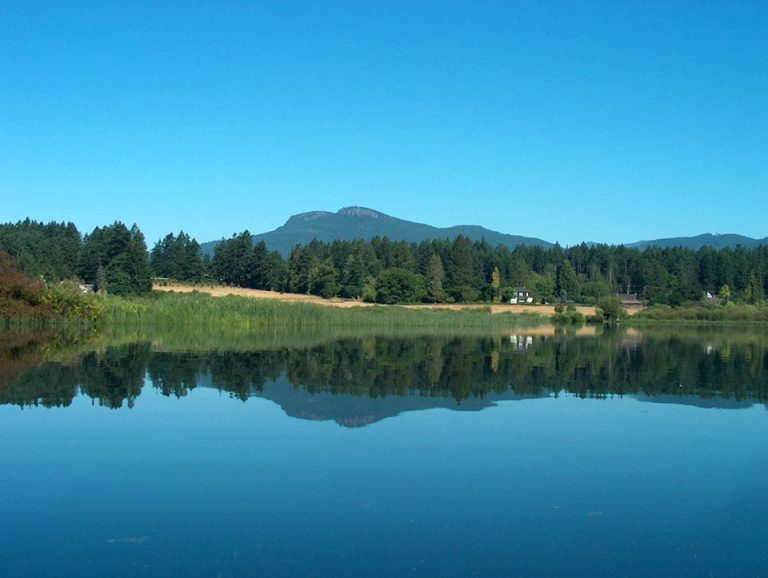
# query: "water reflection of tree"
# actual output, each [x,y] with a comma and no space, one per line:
[241,374]
[117,375]
[175,373]
[26,378]
[48,385]
[455,367]
[19,351]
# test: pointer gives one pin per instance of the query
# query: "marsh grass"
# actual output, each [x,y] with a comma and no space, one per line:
[59,325]
[199,322]
[201,312]
[704,313]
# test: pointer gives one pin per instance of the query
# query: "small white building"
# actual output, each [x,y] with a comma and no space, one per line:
[521,295]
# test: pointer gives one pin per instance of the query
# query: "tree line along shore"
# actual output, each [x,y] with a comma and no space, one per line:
[42,264]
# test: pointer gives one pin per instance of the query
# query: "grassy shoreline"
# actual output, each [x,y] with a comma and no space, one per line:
[203,313]
[731,314]
[247,314]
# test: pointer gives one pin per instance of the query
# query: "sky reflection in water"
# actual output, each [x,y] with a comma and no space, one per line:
[206,485]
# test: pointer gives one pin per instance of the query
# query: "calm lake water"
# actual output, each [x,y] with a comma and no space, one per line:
[625,454]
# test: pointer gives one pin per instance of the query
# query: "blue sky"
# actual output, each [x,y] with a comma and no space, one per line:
[569,121]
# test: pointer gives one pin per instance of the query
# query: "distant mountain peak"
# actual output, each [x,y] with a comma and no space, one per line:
[307,217]
[355,222]
[360,212]
[696,242]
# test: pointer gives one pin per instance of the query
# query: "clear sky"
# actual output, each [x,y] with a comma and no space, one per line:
[604,121]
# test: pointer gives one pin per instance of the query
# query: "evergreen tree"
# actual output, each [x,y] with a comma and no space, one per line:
[177,257]
[117,257]
[754,292]
[325,282]
[302,269]
[567,281]
[353,276]
[49,250]
[460,272]
[140,271]
[232,260]
[275,272]
[519,272]
[435,277]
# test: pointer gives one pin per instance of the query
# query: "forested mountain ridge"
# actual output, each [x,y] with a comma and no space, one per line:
[115,259]
[721,241]
[351,223]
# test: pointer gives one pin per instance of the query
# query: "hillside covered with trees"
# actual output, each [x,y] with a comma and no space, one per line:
[352,223]
[115,259]
[112,259]
[464,271]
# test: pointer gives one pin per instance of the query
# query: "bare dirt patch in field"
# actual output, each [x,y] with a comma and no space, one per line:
[219,291]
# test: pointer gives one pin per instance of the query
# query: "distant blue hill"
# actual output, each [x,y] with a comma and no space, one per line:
[352,223]
[705,240]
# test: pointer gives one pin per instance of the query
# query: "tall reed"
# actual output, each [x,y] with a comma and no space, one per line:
[243,314]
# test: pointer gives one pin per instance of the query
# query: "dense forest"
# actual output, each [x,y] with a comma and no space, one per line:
[112,258]
[115,259]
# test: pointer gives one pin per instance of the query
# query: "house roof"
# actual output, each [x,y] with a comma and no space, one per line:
[629,298]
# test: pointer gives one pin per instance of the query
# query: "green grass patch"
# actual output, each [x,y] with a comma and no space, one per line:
[231,314]
[704,313]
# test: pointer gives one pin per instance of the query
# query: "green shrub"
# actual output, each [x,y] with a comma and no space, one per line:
[67,300]
[611,309]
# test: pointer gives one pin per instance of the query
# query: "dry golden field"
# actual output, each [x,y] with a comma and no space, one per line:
[218,291]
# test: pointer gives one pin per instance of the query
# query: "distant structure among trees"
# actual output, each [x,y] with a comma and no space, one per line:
[115,259]
[461,270]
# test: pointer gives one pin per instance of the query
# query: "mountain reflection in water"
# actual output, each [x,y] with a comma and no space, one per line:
[358,381]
